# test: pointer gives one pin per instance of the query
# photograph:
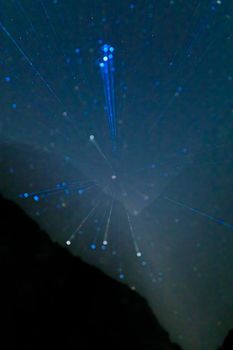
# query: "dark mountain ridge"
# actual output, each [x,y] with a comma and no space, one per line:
[53,299]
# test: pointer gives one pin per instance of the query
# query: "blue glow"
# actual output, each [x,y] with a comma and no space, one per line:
[25,195]
[13,105]
[105,58]
[101,64]
[77,50]
[111,49]
[121,276]
[80,191]
[220,221]
[7,79]
[110,56]
[105,48]
[93,246]
[36,198]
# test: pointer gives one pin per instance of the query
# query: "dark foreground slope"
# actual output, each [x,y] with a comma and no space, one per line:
[54,300]
[228,341]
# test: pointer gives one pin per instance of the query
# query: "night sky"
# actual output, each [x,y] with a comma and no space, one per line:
[116,136]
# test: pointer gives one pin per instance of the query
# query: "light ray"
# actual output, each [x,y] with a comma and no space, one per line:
[90,213]
[201,213]
[93,141]
[137,250]
[105,240]
[28,60]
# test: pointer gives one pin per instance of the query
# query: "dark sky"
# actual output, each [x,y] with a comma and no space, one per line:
[156,213]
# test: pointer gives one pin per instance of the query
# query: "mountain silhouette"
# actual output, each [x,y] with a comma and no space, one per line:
[228,341]
[52,299]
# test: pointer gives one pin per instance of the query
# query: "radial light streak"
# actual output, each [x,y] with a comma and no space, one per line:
[105,240]
[199,212]
[76,186]
[71,238]
[107,72]
[138,253]
[28,60]
[188,51]
[93,244]
[93,141]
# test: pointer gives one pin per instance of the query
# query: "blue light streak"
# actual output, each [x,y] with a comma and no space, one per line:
[67,188]
[107,71]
